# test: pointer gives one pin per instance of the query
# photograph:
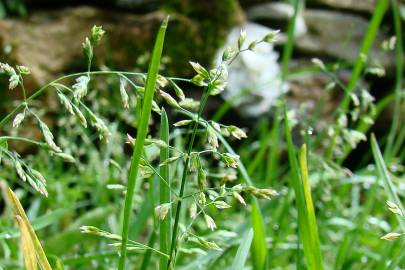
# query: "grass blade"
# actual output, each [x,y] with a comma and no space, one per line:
[32,248]
[387,182]
[259,247]
[313,228]
[306,228]
[399,69]
[140,138]
[243,251]
[28,250]
[165,224]
[368,41]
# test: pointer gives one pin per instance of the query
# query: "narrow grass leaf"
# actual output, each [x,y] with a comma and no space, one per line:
[140,138]
[313,228]
[303,223]
[243,251]
[387,182]
[399,69]
[28,234]
[27,247]
[368,41]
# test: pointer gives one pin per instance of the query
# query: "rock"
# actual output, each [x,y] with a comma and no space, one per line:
[49,42]
[276,15]
[339,35]
[355,5]
[323,32]
[254,77]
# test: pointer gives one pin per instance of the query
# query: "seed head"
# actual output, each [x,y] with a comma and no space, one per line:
[210,222]
[391,236]
[162,210]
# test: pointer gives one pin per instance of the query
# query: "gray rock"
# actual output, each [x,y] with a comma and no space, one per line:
[277,14]
[51,42]
[339,35]
[356,5]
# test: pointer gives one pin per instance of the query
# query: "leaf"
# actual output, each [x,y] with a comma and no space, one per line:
[28,234]
[140,138]
[243,251]
[313,228]
[387,182]
[27,247]
[305,226]
[3,147]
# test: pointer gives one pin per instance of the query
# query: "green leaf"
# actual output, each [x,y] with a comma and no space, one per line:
[243,251]
[387,182]
[306,224]
[3,147]
[313,228]
[140,138]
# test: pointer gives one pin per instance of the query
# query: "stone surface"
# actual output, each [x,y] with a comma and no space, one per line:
[355,5]
[276,15]
[339,35]
[254,77]
[49,41]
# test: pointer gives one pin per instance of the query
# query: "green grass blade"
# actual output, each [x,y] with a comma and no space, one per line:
[289,46]
[304,225]
[399,70]
[259,247]
[140,138]
[368,41]
[243,251]
[165,225]
[313,228]
[148,254]
[387,182]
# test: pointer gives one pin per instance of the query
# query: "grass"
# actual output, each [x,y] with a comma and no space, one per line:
[189,200]
[165,225]
[307,227]
[140,138]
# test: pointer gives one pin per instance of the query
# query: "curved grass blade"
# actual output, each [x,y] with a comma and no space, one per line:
[28,236]
[387,182]
[313,228]
[306,230]
[27,247]
[243,251]
[140,138]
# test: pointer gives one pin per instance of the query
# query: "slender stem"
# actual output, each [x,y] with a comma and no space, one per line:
[41,90]
[184,175]
[15,138]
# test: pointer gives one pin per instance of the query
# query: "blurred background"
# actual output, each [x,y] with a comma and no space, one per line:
[47,36]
